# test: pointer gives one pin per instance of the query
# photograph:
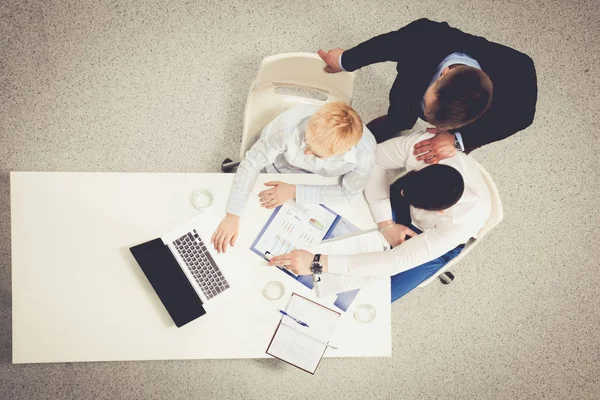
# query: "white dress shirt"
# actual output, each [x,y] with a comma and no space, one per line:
[280,149]
[442,231]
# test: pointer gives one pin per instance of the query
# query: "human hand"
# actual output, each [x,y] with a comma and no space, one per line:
[226,233]
[298,262]
[275,197]
[332,59]
[394,233]
[437,148]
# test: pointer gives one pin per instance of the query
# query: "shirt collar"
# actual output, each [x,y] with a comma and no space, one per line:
[452,59]
[349,156]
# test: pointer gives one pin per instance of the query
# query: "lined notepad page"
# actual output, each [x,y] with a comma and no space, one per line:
[300,345]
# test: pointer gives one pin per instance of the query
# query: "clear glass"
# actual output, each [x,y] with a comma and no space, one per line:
[202,199]
[365,313]
[273,290]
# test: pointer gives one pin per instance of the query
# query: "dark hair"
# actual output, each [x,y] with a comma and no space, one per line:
[435,187]
[462,95]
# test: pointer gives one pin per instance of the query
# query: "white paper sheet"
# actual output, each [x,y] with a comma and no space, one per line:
[366,242]
[300,345]
[295,227]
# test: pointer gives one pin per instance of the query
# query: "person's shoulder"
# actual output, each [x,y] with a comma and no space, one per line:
[462,163]
[413,138]
[367,141]
[406,143]
[365,148]
[418,136]
[475,201]
[425,23]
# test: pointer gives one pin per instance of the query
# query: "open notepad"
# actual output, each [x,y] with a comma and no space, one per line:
[303,346]
[364,242]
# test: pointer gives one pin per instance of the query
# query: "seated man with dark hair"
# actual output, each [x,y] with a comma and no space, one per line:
[439,207]
[472,90]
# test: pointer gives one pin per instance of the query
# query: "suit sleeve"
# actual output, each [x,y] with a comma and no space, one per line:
[410,41]
[513,112]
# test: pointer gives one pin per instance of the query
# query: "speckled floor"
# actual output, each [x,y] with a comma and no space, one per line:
[161,86]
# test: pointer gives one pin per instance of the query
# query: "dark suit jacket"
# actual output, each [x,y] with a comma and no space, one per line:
[420,47]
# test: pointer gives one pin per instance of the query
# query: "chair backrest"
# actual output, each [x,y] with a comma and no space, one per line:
[284,81]
[496,215]
[497,212]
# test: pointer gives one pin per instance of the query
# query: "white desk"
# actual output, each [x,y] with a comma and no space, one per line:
[79,295]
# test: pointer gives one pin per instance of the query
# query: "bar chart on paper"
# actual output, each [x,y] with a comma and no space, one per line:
[293,226]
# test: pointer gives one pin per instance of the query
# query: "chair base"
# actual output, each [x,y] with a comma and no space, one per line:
[228,166]
[446,278]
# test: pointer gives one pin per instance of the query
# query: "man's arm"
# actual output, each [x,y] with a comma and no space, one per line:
[392,46]
[406,43]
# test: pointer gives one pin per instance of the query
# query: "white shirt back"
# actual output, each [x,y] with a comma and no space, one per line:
[442,231]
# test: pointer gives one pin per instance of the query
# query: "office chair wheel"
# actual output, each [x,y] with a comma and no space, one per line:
[228,165]
[446,278]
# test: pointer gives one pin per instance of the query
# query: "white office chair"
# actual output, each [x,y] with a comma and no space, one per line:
[495,217]
[282,82]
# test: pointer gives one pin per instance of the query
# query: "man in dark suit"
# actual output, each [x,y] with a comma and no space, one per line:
[473,91]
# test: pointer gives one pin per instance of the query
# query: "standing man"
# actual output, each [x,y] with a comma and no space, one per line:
[473,91]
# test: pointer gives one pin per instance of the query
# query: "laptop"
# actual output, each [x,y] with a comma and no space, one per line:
[186,272]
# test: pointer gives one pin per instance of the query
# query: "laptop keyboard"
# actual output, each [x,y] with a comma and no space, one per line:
[200,263]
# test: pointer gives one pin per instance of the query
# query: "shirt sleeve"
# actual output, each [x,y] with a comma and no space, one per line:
[422,248]
[351,186]
[460,140]
[271,143]
[392,154]
[340,61]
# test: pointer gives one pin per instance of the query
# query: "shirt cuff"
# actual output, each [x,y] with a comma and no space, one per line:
[382,211]
[460,141]
[338,265]
[236,206]
[340,62]
[308,194]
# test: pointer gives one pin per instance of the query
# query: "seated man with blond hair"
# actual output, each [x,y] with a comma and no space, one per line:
[330,140]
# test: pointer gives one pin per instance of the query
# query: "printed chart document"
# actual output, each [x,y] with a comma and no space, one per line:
[303,346]
[365,242]
[294,226]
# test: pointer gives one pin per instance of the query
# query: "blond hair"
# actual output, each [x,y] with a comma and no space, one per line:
[334,129]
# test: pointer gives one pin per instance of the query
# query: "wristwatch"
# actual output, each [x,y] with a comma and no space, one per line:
[316,267]
[457,144]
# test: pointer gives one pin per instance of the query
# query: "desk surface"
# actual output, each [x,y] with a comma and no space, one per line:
[78,294]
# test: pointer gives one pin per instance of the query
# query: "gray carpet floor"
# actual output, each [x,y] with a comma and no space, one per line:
[161,86]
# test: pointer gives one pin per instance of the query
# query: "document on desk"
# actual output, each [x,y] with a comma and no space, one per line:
[364,242]
[294,226]
[303,346]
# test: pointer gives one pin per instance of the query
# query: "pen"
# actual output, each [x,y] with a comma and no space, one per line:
[295,319]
